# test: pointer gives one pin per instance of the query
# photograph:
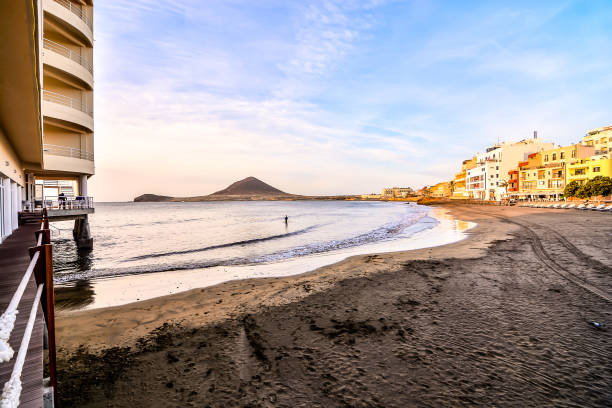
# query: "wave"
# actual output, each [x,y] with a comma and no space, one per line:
[228,245]
[409,226]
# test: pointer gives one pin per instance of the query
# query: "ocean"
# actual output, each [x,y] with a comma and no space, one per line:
[144,250]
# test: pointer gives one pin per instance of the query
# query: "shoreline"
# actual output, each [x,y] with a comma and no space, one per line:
[285,289]
[488,320]
[101,292]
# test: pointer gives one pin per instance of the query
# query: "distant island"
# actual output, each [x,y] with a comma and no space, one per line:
[247,189]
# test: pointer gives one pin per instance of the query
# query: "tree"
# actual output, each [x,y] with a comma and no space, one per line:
[571,189]
[583,191]
[599,186]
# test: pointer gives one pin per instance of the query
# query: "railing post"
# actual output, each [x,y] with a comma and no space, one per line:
[50,301]
[45,218]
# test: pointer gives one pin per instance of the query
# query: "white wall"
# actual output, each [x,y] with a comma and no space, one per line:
[10,205]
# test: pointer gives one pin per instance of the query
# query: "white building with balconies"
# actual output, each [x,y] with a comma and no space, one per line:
[488,179]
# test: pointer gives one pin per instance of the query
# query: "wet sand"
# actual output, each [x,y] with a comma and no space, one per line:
[499,319]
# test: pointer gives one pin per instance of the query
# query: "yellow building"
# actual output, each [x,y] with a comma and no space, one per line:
[545,174]
[600,139]
[441,190]
[586,169]
[459,190]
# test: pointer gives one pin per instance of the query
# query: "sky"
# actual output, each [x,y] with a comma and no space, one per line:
[335,97]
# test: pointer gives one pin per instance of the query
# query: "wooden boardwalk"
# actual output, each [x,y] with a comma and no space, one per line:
[14,260]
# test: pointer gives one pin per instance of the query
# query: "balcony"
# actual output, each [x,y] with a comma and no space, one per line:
[64,59]
[69,13]
[67,109]
[68,159]
[66,151]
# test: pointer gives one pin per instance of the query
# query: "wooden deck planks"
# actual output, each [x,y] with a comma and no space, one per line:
[14,260]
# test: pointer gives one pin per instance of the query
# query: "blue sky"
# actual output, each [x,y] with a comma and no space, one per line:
[331,97]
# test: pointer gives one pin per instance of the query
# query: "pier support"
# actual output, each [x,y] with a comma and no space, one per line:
[82,234]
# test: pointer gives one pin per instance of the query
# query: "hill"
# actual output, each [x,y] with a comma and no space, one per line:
[152,198]
[250,186]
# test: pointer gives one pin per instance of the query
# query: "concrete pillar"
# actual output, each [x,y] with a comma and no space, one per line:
[82,234]
[83,185]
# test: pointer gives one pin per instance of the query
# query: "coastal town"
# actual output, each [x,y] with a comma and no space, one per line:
[528,170]
[464,292]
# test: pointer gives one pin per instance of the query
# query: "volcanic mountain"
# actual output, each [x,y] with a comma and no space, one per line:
[248,189]
[250,186]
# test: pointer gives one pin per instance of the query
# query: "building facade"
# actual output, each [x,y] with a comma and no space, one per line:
[66,51]
[488,178]
[441,190]
[544,175]
[46,105]
[460,180]
[600,139]
[397,192]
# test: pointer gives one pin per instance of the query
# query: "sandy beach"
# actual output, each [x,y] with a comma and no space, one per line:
[498,319]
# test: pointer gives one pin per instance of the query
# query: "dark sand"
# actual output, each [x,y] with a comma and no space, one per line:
[499,319]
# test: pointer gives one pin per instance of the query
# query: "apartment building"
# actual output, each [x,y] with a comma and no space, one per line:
[488,179]
[46,106]
[66,50]
[600,139]
[441,190]
[460,180]
[545,174]
[586,169]
[397,192]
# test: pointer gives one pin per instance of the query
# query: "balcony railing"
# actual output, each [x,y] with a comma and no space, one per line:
[67,101]
[68,53]
[59,203]
[66,151]
[77,11]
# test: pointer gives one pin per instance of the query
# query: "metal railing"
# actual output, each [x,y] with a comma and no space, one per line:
[68,53]
[41,265]
[66,151]
[59,203]
[77,11]
[55,97]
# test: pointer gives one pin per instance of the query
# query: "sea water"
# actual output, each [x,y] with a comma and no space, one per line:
[144,250]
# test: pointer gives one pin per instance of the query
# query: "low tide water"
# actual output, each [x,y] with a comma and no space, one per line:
[144,250]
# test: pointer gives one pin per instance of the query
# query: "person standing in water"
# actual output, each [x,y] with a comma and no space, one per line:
[286,219]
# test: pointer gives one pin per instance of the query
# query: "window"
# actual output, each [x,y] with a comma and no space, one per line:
[562,155]
[596,169]
[496,167]
[545,157]
[554,156]
[579,172]
[497,176]
[573,154]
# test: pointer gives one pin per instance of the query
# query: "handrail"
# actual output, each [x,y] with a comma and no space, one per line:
[77,11]
[7,320]
[66,100]
[68,53]
[67,151]
[41,266]
[12,388]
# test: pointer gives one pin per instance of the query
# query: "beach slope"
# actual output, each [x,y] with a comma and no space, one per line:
[498,319]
